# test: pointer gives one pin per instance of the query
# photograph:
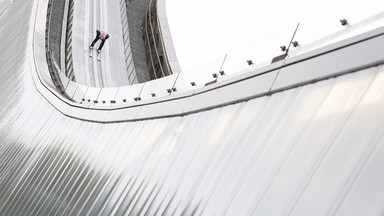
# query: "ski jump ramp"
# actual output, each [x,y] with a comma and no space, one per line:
[88,17]
[300,137]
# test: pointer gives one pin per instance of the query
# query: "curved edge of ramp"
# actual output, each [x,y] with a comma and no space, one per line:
[92,104]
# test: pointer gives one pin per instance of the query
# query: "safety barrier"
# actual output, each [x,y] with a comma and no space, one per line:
[69,72]
[52,46]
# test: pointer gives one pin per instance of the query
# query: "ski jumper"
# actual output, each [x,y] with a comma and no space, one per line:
[100,35]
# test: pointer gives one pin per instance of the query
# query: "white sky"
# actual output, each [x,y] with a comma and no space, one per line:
[205,30]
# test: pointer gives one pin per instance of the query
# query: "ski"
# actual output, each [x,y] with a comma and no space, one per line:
[98,56]
[90,51]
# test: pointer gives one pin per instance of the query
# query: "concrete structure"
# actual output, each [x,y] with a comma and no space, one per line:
[303,136]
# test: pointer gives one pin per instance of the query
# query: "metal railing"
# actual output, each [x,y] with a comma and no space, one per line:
[54,70]
[69,72]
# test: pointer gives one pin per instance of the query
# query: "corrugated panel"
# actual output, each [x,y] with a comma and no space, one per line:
[302,151]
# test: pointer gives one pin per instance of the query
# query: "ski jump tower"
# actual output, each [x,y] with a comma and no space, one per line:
[131,135]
